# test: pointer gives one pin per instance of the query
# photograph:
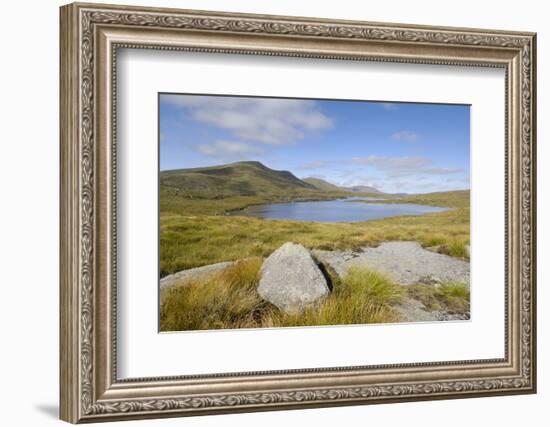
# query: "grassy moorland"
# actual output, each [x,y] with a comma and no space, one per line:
[196,230]
[192,241]
[228,300]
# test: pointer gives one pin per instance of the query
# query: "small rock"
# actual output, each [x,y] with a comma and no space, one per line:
[446,316]
[291,279]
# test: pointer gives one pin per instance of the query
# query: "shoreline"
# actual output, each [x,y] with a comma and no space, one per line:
[303,200]
[235,212]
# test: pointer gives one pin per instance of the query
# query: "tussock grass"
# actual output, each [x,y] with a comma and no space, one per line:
[362,296]
[457,248]
[228,300]
[451,297]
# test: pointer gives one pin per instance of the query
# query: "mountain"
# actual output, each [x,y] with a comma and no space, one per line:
[321,184]
[362,189]
[250,178]
[235,179]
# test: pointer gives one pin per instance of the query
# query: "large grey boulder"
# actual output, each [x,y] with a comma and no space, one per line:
[291,279]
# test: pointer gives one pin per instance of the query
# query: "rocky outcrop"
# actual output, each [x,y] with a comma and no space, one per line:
[291,279]
[406,263]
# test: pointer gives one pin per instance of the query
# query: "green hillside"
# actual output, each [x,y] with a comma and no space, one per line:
[321,184]
[216,190]
[240,179]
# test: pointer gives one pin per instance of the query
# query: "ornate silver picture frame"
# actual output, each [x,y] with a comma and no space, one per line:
[91,35]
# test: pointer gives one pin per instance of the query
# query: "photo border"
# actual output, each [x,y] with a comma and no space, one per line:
[159,171]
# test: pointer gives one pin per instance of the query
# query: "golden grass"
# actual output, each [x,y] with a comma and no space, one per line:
[450,199]
[228,300]
[194,233]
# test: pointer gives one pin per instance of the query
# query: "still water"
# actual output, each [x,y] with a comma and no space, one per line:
[341,210]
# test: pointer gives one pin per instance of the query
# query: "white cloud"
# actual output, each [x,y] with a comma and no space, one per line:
[458,181]
[263,120]
[441,171]
[406,136]
[406,174]
[404,166]
[388,106]
[352,180]
[394,164]
[225,149]
[409,184]
[314,165]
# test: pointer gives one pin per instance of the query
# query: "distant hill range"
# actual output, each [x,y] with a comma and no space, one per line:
[249,178]
[363,189]
[327,186]
[321,184]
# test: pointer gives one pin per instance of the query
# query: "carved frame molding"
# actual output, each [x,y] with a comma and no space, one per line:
[90,37]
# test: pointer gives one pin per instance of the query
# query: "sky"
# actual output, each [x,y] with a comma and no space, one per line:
[394,147]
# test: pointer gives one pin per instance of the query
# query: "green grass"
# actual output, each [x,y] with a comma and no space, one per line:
[450,199]
[452,298]
[193,241]
[228,300]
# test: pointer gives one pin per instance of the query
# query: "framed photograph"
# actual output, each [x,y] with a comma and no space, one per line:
[266,212]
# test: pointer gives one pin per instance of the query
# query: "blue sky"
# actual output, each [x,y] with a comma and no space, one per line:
[395,147]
